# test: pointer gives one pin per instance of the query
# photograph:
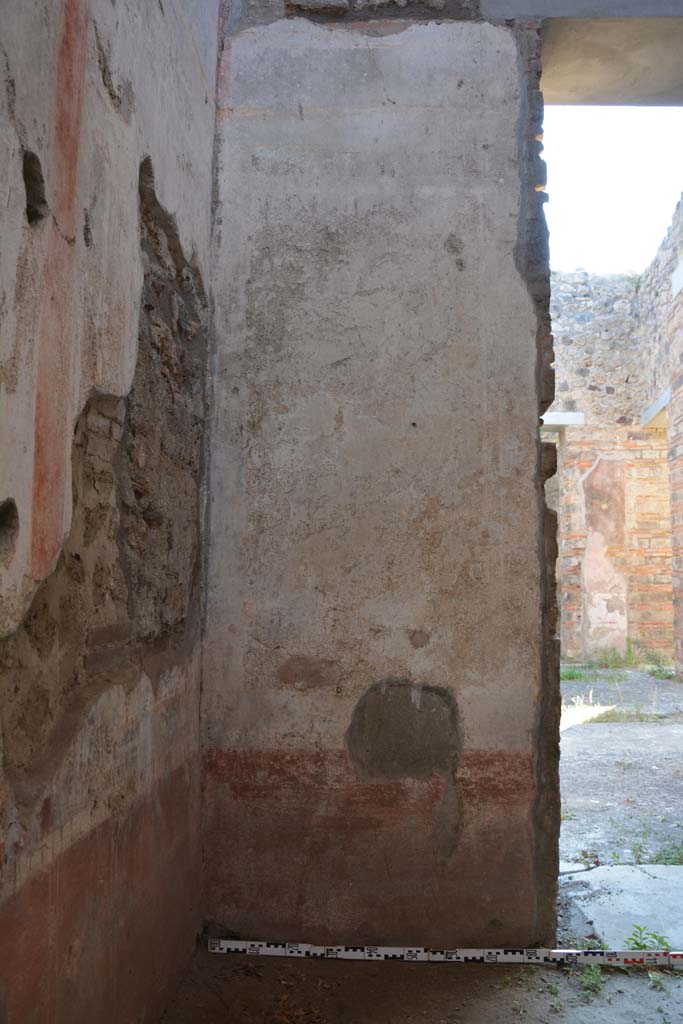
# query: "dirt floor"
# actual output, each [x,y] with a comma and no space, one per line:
[231,989]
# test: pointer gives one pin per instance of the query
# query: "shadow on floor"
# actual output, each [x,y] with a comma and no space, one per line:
[229,989]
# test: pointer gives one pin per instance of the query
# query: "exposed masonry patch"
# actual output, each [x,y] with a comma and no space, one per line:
[87,228]
[34,184]
[331,7]
[403,730]
[123,598]
[9,528]
[260,12]
[121,96]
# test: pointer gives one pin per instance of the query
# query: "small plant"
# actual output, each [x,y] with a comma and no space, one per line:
[552,989]
[591,979]
[632,656]
[521,979]
[639,852]
[636,654]
[623,715]
[589,942]
[556,1006]
[672,854]
[662,672]
[656,980]
[643,938]
[569,672]
[567,816]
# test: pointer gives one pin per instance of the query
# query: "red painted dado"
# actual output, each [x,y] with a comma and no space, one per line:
[297,847]
[101,934]
[484,775]
[57,334]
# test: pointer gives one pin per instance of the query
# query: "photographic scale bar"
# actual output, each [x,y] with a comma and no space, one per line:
[418,954]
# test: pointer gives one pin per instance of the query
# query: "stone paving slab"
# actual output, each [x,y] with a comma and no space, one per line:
[616,899]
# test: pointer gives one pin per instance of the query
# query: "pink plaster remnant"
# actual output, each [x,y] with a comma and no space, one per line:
[55,332]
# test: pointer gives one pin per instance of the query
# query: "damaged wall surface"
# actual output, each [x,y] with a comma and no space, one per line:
[312,312]
[102,384]
[375,495]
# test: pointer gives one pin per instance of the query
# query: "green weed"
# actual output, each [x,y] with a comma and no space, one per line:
[643,938]
[672,854]
[639,851]
[636,655]
[620,715]
[662,672]
[591,979]
[569,672]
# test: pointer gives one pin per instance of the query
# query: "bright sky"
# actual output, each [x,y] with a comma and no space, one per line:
[615,175]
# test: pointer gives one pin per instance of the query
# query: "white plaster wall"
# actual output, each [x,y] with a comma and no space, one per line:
[375,422]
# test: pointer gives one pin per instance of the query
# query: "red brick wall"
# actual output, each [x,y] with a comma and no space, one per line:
[674,327]
[614,567]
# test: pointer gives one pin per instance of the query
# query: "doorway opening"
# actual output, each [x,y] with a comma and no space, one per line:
[616,250]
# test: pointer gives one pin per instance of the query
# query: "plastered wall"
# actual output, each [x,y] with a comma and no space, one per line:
[317,312]
[380,734]
[106,120]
